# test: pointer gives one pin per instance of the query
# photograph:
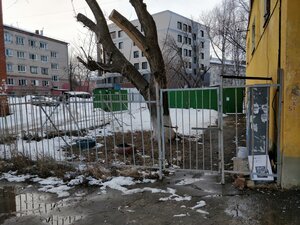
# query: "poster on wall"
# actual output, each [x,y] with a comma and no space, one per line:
[260,168]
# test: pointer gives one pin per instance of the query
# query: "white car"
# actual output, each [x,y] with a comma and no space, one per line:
[43,101]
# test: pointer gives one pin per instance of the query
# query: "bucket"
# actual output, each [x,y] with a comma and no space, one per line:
[242,152]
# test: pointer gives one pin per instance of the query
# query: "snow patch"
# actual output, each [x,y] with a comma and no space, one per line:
[11,177]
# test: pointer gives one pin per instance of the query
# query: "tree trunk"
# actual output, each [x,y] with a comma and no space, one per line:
[147,42]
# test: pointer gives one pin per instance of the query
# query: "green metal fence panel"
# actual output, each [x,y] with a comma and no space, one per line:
[110,100]
[233,99]
[207,99]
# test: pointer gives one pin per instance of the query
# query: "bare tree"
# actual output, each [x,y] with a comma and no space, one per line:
[226,28]
[148,44]
[178,63]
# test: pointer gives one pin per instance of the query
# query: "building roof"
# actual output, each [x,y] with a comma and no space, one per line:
[38,35]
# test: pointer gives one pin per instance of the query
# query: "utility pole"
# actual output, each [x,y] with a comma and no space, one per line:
[3,76]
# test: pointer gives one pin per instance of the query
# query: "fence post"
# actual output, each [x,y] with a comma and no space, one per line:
[159,130]
[220,123]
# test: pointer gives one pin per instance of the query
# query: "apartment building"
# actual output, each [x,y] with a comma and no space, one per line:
[230,68]
[35,64]
[187,36]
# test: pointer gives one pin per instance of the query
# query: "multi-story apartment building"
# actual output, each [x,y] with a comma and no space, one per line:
[176,35]
[35,64]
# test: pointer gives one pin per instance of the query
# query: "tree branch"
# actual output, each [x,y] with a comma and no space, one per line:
[133,33]
[87,22]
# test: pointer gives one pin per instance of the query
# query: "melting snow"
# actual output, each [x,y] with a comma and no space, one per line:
[11,177]
[187,181]
[199,204]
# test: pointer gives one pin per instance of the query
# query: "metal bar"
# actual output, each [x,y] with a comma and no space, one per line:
[279,156]
[158,103]
[221,131]
[246,78]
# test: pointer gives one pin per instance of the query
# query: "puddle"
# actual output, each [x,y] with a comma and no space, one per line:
[16,204]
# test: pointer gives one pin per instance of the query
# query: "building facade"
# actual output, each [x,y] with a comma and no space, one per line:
[35,64]
[273,49]
[214,72]
[177,35]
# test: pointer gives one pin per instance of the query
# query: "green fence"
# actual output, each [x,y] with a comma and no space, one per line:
[110,100]
[207,99]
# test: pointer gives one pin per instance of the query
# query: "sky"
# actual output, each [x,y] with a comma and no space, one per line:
[57,17]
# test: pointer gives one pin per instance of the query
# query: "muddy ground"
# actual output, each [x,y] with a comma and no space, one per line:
[224,205]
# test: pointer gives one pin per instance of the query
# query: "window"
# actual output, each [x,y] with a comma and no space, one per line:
[253,36]
[202,55]
[135,54]
[133,43]
[202,33]
[195,60]
[9,67]
[43,45]
[195,49]
[8,38]
[32,56]
[267,10]
[44,71]
[53,54]
[190,65]
[190,29]
[195,71]
[190,41]
[179,25]
[45,83]
[194,36]
[120,45]
[143,54]
[55,78]
[10,81]
[179,38]
[20,55]
[144,65]
[31,43]
[34,82]
[22,68]
[185,52]
[19,40]
[180,51]
[137,66]
[44,58]
[185,40]
[185,27]
[33,69]
[22,82]
[120,33]
[113,35]
[8,52]
[190,53]
[202,44]
[54,66]
[202,67]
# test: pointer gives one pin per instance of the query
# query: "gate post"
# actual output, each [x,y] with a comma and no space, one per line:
[159,130]
[220,133]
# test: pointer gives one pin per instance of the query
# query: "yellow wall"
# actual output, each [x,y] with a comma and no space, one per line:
[263,62]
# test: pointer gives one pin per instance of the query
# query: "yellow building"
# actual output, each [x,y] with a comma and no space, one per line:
[273,48]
